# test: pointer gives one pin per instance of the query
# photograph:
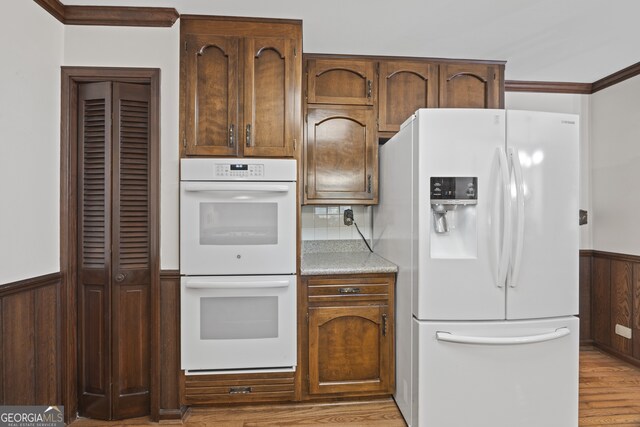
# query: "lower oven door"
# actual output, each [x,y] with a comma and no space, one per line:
[238,322]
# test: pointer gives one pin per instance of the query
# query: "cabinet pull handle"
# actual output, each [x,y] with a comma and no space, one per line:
[384,325]
[240,390]
[349,290]
[369,88]
[249,135]
[369,183]
[231,135]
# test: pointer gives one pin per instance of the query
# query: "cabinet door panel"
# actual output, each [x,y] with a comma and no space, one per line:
[341,81]
[404,87]
[212,118]
[469,86]
[342,155]
[269,104]
[349,349]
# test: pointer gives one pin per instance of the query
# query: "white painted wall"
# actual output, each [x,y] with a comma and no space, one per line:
[31,43]
[151,48]
[573,104]
[615,154]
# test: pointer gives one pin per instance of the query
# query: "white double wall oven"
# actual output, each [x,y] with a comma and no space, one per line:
[238,264]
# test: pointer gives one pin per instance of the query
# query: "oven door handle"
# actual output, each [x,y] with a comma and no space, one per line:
[234,186]
[237,285]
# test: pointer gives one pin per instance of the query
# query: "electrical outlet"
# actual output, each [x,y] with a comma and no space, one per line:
[623,331]
[348,217]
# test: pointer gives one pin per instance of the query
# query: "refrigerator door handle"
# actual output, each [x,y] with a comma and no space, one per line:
[527,339]
[507,229]
[516,261]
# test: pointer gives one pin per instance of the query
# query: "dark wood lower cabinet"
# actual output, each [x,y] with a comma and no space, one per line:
[347,339]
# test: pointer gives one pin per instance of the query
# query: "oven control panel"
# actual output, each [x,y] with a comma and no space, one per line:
[239,170]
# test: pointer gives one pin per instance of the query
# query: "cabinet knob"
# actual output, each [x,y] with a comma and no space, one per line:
[120,277]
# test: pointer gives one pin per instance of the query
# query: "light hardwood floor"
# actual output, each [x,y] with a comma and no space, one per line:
[609,396]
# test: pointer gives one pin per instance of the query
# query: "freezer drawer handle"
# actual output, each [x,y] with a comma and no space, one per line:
[529,339]
[236,285]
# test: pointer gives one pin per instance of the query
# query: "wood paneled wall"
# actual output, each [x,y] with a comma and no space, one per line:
[30,341]
[615,300]
[585,298]
[170,407]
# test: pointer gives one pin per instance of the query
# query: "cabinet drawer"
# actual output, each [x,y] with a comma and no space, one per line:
[352,290]
[227,388]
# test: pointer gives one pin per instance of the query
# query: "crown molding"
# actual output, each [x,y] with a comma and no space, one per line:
[110,15]
[578,88]
[547,87]
[617,77]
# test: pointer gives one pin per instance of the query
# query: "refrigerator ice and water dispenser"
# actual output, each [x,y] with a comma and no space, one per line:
[453,204]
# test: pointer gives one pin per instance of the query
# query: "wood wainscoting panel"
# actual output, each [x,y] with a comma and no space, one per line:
[621,301]
[601,307]
[169,380]
[635,327]
[30,342]
[585,297]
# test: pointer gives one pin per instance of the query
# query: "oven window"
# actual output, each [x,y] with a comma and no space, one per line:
[238,223]
[238,318]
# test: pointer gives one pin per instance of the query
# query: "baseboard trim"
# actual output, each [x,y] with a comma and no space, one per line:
[625,357]
[172,414]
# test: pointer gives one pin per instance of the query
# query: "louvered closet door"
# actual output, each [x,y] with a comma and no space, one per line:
[114,250]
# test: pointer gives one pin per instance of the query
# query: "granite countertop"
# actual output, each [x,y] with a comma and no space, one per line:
[320,257]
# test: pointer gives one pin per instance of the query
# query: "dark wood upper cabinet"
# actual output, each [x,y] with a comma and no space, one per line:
[212,90]
[269,97]
[405,86]
[240,87]
[471,85]
[341,81]
[341,162]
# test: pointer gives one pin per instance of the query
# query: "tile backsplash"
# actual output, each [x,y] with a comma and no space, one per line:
[326,222]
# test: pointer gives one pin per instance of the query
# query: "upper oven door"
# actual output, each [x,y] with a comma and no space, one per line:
[230,228]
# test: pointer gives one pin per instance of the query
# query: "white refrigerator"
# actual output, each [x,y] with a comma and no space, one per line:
[479,209]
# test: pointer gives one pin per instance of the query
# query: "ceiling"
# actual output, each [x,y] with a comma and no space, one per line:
[542,40]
